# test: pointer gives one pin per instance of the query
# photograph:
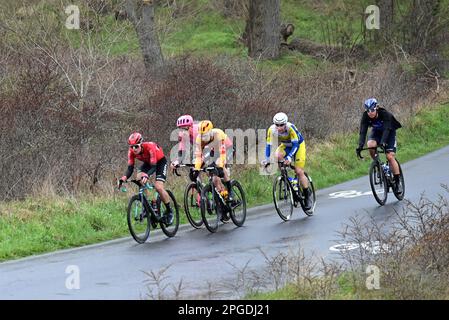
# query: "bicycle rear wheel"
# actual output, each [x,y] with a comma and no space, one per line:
[170,230]
[138,220]
[209,209]
[400,195]
[192,205]
[283,198]
[238,212]
[378,182]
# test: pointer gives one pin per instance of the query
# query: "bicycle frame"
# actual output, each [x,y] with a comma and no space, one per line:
[198,181]
[155,217]
[211,172]
[296,194]
[377,159]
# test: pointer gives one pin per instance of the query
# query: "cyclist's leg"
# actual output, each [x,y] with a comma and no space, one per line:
[373,140]
[217,179]
[161,177]
[159,185]
[391,152]
[145,168]
[300,162]
[280,152]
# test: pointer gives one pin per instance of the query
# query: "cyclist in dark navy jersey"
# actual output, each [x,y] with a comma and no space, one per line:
[384,126]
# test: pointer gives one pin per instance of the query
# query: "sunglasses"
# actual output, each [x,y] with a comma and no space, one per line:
[135,146]
[280,125]
[371,110]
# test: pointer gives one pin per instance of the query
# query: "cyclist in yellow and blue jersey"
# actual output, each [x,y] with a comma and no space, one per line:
[292,149]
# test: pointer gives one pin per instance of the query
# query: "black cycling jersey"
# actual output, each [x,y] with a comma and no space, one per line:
[384,122]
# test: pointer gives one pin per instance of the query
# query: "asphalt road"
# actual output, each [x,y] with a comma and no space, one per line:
[117,269]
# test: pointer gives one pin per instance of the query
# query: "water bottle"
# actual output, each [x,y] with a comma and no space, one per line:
[294,182]
[386,168]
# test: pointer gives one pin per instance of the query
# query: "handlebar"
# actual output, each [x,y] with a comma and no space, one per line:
[137,182]
[175,170]
[280,163]
[379,149]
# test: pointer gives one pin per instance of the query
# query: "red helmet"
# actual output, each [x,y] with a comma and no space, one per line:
[135,138]
[184,121]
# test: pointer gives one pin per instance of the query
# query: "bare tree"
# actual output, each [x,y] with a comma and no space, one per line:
[386,11]
[141,13]
[263,26]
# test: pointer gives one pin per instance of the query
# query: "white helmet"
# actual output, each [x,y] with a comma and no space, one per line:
[280,118]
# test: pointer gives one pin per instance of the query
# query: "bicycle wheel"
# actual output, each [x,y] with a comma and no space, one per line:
[170,230]
[238,212]
[400,195]
[138,219]
[378,183]
[312,188]
[192,205]
[209,209]
[283,198]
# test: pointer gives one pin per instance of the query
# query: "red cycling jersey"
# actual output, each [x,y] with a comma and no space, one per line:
[151,153]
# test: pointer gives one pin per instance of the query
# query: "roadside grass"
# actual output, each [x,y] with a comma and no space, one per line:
[340,288]
[37,225]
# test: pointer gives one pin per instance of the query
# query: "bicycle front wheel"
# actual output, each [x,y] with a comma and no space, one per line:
[283,198]
[170,230]
[378,182]
[209,209]
[238,212]
[192,205]
[138,220]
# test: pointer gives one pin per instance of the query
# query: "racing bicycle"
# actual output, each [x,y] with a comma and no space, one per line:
[144,214]
[288,193]
[381,177]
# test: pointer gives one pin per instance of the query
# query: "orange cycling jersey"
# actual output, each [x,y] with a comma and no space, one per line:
[218,141]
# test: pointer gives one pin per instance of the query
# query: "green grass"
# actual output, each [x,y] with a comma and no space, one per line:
[38,225]
[344,288]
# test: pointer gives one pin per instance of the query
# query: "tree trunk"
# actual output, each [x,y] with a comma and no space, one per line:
[141,13]
[386,12]
[263,26]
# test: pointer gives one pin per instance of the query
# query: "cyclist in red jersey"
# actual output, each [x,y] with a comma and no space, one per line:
[154,161]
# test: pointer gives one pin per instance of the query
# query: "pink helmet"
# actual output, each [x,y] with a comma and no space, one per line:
[184,121]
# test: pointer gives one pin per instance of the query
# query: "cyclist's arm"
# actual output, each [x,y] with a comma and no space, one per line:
[268,145]
[222,161]
[295,143]
[387,119]
[129,172]
[363,130]
[131,161]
